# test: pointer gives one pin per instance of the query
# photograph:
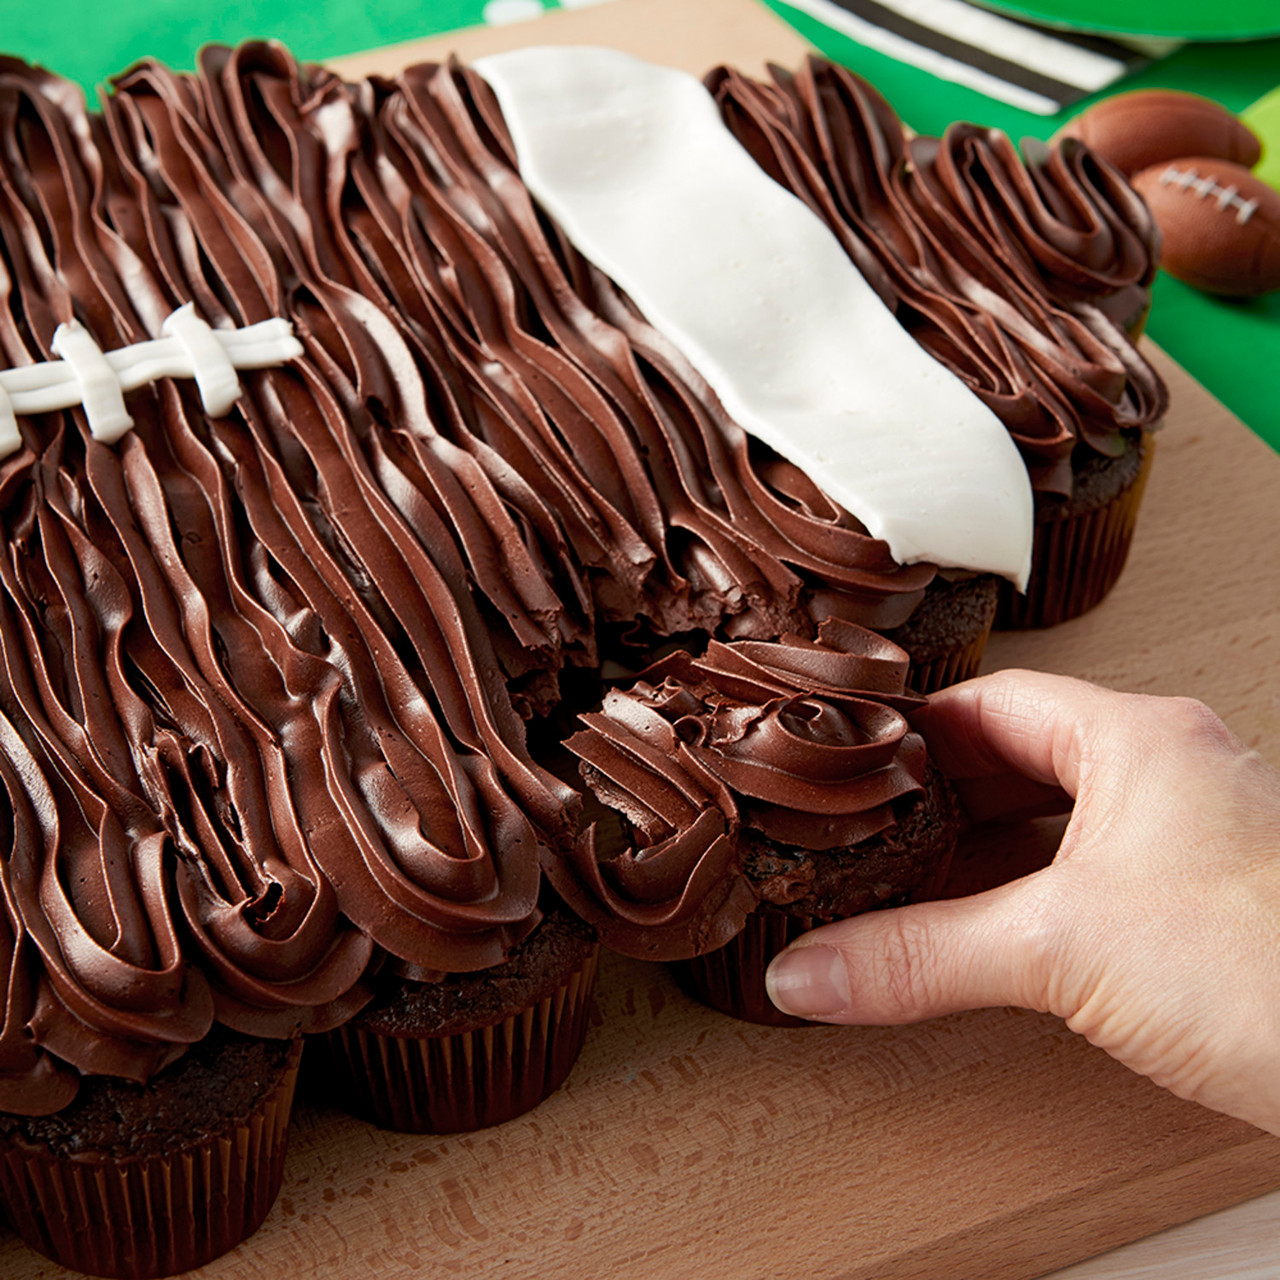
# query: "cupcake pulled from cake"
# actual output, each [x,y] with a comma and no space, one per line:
[746,796]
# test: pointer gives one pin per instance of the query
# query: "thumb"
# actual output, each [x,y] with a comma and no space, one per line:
[910,963]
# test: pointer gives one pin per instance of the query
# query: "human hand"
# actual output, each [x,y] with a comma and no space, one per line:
[1155,932]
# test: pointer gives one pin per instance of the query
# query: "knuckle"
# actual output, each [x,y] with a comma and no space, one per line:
[1190,721]
[907,954]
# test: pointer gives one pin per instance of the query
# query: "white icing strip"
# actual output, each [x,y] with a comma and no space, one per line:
[634,163]
[10,440]
[211,367]
[97,386]
[86,375]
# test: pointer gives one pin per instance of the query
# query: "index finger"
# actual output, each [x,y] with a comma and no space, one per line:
[1013,742]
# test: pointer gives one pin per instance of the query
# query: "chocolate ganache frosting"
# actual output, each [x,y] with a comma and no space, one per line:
[264,674]
[264,677]
[256,734]
[678,519]
[1020,275]
[802,742]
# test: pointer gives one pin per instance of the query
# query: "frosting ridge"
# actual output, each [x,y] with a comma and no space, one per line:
[1019,274]
[265,675]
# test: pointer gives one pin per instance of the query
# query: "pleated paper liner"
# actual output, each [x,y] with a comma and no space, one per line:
[947,635]
[147,1216]
[464,1080]
[731,979]
[1076,560]
[948,669]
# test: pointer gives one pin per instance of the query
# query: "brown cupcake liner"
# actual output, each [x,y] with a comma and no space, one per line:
[731,978]
[465,1080]
[151,1216]
[1075,561]
[949,668]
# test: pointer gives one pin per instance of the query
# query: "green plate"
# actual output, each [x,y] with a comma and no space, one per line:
[1176,19]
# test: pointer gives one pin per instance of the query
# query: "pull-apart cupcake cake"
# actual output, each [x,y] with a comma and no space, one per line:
[458,521]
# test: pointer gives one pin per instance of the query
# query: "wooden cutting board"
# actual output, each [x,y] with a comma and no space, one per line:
[982,1146]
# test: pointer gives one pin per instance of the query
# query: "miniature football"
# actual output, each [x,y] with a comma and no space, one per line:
[1136,130]
[1220,225]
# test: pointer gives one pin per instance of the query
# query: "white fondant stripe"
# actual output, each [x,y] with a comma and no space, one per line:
[634,163]
[97,379]
[10,439]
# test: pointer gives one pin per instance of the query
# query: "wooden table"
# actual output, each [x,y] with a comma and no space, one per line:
[985,1145]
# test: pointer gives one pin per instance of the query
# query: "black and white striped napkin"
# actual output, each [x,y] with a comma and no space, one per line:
[1040,69]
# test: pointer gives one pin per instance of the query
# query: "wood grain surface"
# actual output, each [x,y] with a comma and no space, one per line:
[987,1145]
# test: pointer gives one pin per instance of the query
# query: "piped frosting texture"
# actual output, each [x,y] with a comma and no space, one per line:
[634,163]
[257,736]
[1021,275]
[264,676]
[804,742]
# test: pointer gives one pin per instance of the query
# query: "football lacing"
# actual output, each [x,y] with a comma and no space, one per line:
[1227,197]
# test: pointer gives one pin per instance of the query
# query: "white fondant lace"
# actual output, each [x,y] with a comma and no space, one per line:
[86,375]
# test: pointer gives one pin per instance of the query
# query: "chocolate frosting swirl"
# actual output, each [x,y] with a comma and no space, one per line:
[802,741]
[677,518]
[1019,274]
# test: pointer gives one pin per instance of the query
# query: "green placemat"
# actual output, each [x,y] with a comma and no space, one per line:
[101,39]
[1228,346]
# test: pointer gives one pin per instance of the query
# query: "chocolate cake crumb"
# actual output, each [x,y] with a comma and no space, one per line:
[883,871]
[465,1001]
[953,614]
[1096,479]
[216,1084]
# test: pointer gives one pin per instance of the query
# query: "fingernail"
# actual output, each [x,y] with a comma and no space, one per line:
[810,982]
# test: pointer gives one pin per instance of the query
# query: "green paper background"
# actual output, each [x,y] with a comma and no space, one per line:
[1232,347]
[1180,19]
[100,39]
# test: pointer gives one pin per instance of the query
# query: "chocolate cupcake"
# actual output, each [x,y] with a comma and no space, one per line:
[1064,210]
[946,635]
[747,795]
[1028,276]
[465,1051]
[139,1180]
[1082,538]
